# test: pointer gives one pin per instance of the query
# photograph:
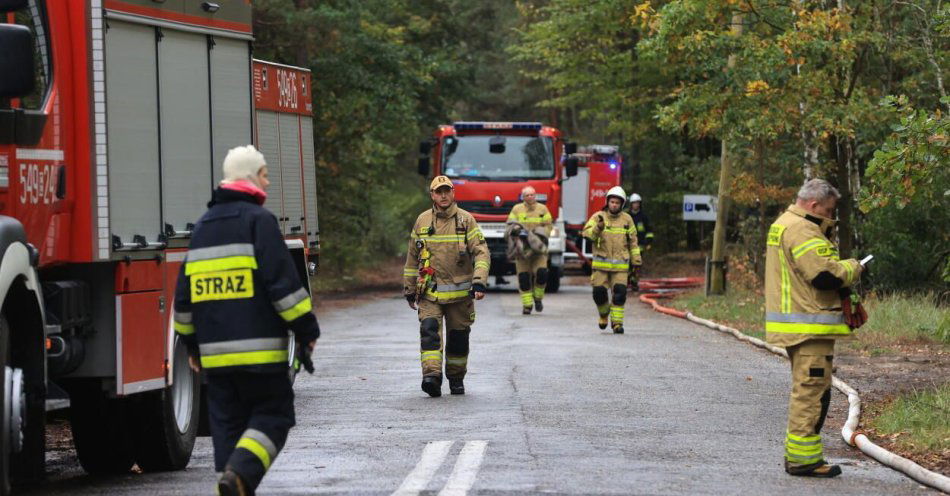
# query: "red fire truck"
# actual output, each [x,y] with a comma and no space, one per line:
[490,163]
[599,169]
[115,116]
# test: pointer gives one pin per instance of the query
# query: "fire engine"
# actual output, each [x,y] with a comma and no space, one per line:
[115,116]
[489,164]
[599,169]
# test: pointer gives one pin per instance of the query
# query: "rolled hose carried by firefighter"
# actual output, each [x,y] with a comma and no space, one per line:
[662,289]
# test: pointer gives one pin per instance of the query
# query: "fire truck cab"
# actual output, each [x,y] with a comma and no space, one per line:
[115,116]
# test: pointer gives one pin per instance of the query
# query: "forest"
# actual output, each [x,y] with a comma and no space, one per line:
[851,91]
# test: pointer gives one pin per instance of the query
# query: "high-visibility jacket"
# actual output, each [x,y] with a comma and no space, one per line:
[531,217]
[458,253]
[803,276]
[238,292]
[615,246]
[644,232]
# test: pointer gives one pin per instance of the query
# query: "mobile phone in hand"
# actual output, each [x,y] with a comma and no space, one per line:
[866,260]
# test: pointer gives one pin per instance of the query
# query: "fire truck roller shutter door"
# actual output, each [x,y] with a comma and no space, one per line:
[268,143]
[186,133]
[290,172]
[309,177]
[132,127]
[230,101]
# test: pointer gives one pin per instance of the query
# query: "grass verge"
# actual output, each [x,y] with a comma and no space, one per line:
[894,320]
[917,423]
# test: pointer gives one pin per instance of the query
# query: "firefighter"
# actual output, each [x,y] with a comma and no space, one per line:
[644,234]
[532,266]
[616,253]
[237,295]
[807,307]
[446,266]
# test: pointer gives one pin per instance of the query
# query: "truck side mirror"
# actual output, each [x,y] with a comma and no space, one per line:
[496,144]
[570,148]
[570,166]
[16,60]
[425,147]
[11,5]
[424,166]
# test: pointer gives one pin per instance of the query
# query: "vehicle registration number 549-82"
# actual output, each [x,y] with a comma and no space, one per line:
[222,285]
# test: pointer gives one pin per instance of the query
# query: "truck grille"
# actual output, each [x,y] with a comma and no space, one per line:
[497,246]
[486,207]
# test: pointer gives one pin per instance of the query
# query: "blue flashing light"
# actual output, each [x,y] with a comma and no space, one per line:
[480,126]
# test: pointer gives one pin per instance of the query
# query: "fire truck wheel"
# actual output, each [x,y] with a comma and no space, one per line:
[101,428]
[554,280]
[5,400]
[166,421]
[25,402]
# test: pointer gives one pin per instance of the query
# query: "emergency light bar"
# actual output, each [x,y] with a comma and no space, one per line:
[475,126]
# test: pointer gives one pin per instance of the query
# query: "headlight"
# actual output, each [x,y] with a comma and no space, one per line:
[555,233]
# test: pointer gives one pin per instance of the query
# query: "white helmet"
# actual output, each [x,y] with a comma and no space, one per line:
[635,198]
[619,193]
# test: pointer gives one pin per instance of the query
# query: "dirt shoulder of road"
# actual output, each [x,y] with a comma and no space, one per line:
[335,290]
[880,373]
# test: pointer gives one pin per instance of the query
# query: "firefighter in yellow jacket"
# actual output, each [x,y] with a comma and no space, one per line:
[807,307]
[532,268]
[616,254]
[446,266]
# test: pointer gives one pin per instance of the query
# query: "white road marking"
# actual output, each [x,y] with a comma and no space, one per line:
[432,457]
[466,468]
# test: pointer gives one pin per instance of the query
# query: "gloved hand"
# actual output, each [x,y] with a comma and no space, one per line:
[635,271]
[304,351]
[523,234]
[411,298]
[854,314]
[601,225]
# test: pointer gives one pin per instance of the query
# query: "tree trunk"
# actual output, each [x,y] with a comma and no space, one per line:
[842,155]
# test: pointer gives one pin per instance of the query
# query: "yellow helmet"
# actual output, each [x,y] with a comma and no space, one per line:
[440,181]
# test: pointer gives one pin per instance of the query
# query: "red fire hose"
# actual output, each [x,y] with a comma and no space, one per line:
[657,289]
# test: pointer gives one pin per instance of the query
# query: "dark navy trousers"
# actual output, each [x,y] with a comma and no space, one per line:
[250,415]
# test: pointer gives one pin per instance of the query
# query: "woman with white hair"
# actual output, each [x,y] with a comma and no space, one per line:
[237,294]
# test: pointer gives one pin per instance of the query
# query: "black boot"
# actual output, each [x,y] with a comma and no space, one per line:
[821,470]
[231,484]
[432,385]
[618,329]
[456,386]
[538,306]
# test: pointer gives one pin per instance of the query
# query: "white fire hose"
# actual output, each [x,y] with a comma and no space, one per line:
[849,432]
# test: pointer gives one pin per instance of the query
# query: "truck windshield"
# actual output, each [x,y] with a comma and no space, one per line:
[524,157]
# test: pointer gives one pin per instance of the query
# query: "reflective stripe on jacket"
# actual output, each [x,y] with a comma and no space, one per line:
[797,251]
[238,292]
[615,247]
[531,217]
[459,254]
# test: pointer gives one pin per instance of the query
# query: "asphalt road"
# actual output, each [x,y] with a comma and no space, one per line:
[553,405]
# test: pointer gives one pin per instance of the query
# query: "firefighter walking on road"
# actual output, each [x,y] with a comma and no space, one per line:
[808,305]
[237,295]
[530,218]
[644,233]
[616,253]
[446,267]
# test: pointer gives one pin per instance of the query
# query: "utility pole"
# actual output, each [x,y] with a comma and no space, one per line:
[717,271]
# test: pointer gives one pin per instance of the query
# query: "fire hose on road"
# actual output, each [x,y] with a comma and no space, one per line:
[656,289]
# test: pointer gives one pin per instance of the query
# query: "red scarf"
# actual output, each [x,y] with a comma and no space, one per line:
[245,186]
